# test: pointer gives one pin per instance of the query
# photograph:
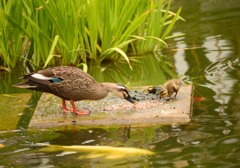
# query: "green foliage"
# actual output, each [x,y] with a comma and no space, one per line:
[73,32]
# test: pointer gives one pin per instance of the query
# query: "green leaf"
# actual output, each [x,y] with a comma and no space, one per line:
[122,53]
[51,55]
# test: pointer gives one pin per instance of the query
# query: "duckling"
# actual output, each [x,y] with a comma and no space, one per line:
[73,84]
[170,87]
[153,90]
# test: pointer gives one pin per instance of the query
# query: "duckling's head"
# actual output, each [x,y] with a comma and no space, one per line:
[118,90]
[163,93]
[151,89]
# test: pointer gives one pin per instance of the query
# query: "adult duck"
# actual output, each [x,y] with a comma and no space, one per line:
[73,84]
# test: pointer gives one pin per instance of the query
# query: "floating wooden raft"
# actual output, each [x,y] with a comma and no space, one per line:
[115,111]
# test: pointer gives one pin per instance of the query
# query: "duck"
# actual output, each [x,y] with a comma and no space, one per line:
[72,84]
[169,88]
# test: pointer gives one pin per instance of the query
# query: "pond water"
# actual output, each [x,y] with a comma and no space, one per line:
[207,56]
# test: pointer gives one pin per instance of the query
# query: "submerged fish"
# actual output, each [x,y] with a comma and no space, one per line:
[108,152]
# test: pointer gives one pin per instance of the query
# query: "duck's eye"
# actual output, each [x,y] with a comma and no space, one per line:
[125,94]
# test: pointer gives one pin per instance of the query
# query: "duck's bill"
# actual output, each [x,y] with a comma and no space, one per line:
[128,98]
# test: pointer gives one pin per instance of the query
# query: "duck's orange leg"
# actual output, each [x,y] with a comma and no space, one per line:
[64,107]
[75,110]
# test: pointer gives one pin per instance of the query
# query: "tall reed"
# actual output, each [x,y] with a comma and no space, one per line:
[73,32]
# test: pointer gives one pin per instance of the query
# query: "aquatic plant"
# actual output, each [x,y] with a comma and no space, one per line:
[74,32]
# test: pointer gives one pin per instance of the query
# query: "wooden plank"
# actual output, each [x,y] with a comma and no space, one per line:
[115,111]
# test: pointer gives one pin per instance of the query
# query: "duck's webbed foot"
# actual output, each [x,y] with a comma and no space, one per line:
[64,107]
[74,109]
[82,112]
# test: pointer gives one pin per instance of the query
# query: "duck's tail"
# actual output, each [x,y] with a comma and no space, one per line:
[24,85]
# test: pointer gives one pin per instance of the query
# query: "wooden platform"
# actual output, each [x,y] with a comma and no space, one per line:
[115,111]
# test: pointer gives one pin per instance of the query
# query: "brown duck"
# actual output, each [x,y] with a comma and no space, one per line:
[73,84]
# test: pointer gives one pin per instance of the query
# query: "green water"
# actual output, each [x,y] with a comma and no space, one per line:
[207,56]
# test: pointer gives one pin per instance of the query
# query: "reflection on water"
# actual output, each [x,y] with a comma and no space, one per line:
[215,62]
[148,69]
[208,56]
[213,31]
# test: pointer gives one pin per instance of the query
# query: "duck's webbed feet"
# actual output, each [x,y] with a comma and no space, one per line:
[74,109]
[64,107]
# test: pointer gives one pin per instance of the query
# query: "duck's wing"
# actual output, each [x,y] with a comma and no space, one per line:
[44,78]
[58,74]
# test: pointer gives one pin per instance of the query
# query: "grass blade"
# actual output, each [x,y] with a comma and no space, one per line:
[51,55]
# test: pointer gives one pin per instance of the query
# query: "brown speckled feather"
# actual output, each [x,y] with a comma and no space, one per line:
[65,72]
[75,84]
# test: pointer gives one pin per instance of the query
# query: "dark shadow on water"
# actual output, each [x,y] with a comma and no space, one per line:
[28,111]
